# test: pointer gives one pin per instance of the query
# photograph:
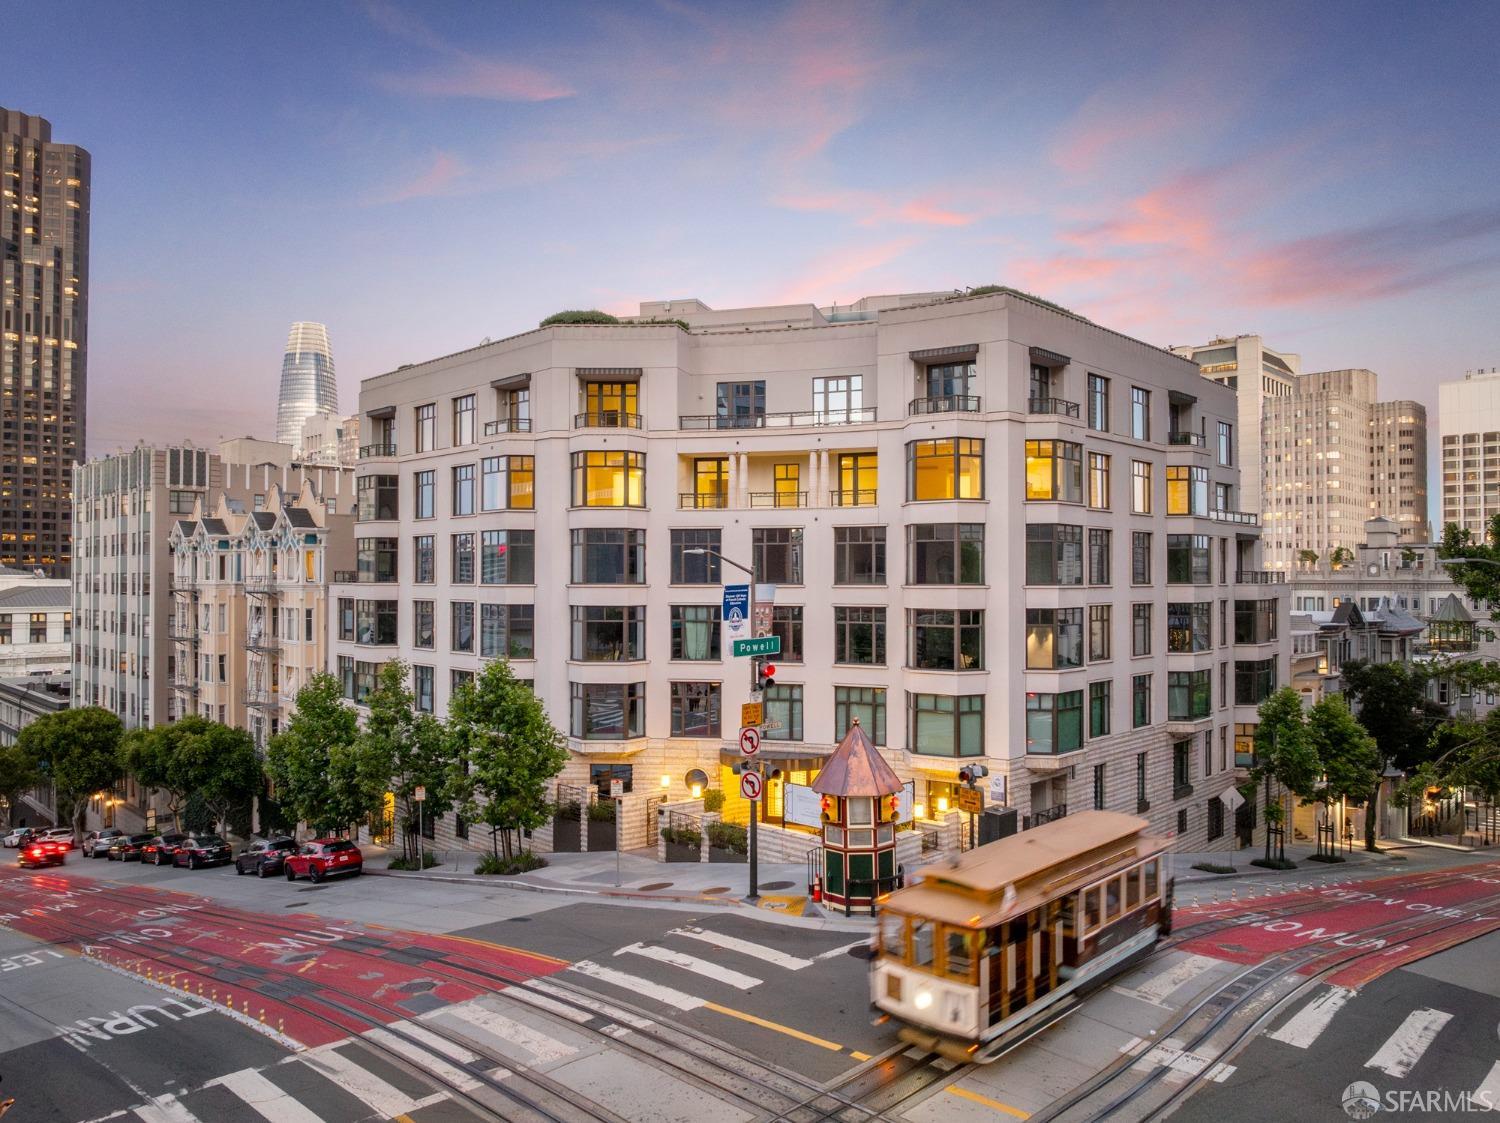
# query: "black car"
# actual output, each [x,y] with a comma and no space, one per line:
[202,850]
[128,847]
[97,845]
[160,849]
[264,856]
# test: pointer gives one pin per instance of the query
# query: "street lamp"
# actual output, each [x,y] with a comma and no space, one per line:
[753,839]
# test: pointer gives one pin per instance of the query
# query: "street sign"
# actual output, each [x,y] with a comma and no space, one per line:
[751,713]
[760,645]
[737,611]
[997,790]
[420,794]
[616,789]
[750,741]
[970,800]
[751,785]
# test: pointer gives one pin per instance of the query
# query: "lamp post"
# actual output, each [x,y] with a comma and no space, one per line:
[752,839]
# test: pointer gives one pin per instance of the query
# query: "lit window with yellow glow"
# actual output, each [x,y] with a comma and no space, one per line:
[1054,470]
[609,479]
[945,469]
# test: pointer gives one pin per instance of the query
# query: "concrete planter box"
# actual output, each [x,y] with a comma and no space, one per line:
[601,835]
[567,837]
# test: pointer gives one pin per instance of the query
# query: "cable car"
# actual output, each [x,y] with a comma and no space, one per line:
[1006,937]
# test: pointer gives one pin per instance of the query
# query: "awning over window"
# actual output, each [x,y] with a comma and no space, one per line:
[1045,358]
[380,412]
[512,381]
[946,354]
[618,374]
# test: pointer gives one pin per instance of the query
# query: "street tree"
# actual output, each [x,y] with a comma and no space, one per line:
[1390,700]
[1283,756]
[322,777]
[507,752]
[413,750]
[18,773]
[220,768]
[78,752]
[1478,574]
[149,754]
[1348,755]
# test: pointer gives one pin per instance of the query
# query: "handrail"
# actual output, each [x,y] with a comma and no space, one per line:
[852,497]
[778,499]
[945,403]
[1052,405]
[1187,439]
[387,448]
[1244,518]
[1259,577]
[794,420]
[692,501]
[607,419]
[507,425]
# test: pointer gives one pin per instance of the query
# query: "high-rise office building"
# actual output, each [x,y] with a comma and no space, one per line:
[1469,428]
[308,385]
[44,256]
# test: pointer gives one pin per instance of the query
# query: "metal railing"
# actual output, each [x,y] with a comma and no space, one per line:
[1259,577]
[1244,518]
[807,418]
[507,425]
[946,403]
[261,585]
[184,584]
[1046,815]
[607,419]
[1187,439]
[369,452]
[778,499]
[1059,406]
[189,685]
[853,497]
[182,632]
[263,644]
[262,698]
[693,501]
[345,576]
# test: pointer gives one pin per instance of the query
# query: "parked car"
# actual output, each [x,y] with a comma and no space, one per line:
[264,856]
[59,834]
[129,847]
[202,850]
[19,837]
[160,849]
[324,857]
[42,852]
[97,845]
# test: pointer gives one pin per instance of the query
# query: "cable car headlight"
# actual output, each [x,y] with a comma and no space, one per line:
[923,999]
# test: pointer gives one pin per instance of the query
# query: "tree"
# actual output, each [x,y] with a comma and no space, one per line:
[1349,756]
[1308,558]
[1340,557]
[412,750]
[18,773]
[219,766]
[506,750]
[321,775]
[1285,755]
[1479,580]
[1392,705]
[78,752]
[148,757]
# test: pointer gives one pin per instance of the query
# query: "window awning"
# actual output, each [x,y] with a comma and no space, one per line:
[1045,358]
[1178,397]
[380,412]
[619,374]
[511,381]
[946,354]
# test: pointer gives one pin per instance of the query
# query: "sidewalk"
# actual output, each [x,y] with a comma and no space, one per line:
[1301,853]
[643,879]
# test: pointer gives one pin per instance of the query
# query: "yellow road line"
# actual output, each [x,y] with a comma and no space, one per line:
[858,1056]
[964,1093]
[777,1026]
[500,947]
[402,1119]
[306,965]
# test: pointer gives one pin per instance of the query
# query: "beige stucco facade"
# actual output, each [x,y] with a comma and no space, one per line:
[1469,424]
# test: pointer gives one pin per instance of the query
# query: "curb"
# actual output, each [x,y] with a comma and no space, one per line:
[567,890]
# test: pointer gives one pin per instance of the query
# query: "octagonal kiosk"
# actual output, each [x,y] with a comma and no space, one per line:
[859,801]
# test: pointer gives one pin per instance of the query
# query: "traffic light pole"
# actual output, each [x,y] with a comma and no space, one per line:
[753,840]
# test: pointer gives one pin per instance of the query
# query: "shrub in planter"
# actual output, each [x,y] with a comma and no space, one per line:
[429,859]
[1213,867]
[682,836]
[523,862]
[566,811]
[713,799]
[579,316]
[602,811]
[729,836]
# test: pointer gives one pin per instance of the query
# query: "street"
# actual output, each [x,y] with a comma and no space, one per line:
[150,994]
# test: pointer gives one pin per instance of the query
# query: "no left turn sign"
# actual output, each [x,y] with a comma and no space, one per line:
[750,741]
[751,784]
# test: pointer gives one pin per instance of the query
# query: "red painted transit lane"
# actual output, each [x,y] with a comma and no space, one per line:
[1392,920]
[313,979]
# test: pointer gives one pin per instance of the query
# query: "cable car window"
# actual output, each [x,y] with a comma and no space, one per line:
[1132,887]
[893,935]
[1151,878]
[958,947]
[1091,908]
[922,943]
[1066,907]
[1112,899]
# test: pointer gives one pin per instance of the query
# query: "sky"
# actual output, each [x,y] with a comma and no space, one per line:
[422,176]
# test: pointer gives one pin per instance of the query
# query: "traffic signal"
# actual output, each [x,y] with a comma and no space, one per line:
[971,772]
[765,674]
[892,808]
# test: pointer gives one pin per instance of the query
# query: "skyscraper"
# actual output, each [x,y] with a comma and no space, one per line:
[308,385]
[44,261]
[1469,428]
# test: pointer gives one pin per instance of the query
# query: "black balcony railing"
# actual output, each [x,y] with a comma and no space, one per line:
[1259,577]
[369,452]
[1059,406]
[1046,815]
[705,501]
[262,698]
[807,418]
[1187,439]
[778,499]
[852,497]
[507,425]
[1244,518]
[183,633]
[607,419]
[946,403]
[261,586]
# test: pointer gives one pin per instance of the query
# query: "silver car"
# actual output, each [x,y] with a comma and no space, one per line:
[97,845]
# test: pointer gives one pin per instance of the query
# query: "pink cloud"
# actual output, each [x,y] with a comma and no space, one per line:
[819,279]
[870,209]
[440,177]
[469,77]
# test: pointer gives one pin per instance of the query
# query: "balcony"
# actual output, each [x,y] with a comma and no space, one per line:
[184,584]
[853,497]
[261,586]
[189,686]
[1046,815]
[1198,440]
[947,403]
[263,644]
[182,633]
[371,452]
[607,419]
[1243,518]
[762,499]
[1259,577]
[262,698]
[507,425]
[1059,406]
[345,576]
[801,419]
[692,501]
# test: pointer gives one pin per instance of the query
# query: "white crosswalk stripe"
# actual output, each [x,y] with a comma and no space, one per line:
[166,1109]
[265,1098]
[1303,1027]
[1160,986]
[744,947]
[593,1004]
[1488,1092]
[692,963]
[638,985]
[543,1048]
[1404,1048]
[380,1097]
[423,1058]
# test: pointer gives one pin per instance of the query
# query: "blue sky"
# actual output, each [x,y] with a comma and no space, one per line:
[421,176]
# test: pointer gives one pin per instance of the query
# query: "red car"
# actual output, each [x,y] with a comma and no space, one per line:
[42,852]
[324,857]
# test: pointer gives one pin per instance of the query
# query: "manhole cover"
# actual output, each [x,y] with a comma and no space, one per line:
[656,885]
[716,890]
[863,951]
[777,884]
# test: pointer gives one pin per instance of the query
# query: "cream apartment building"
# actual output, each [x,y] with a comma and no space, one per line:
[989,523]
[1469,425]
